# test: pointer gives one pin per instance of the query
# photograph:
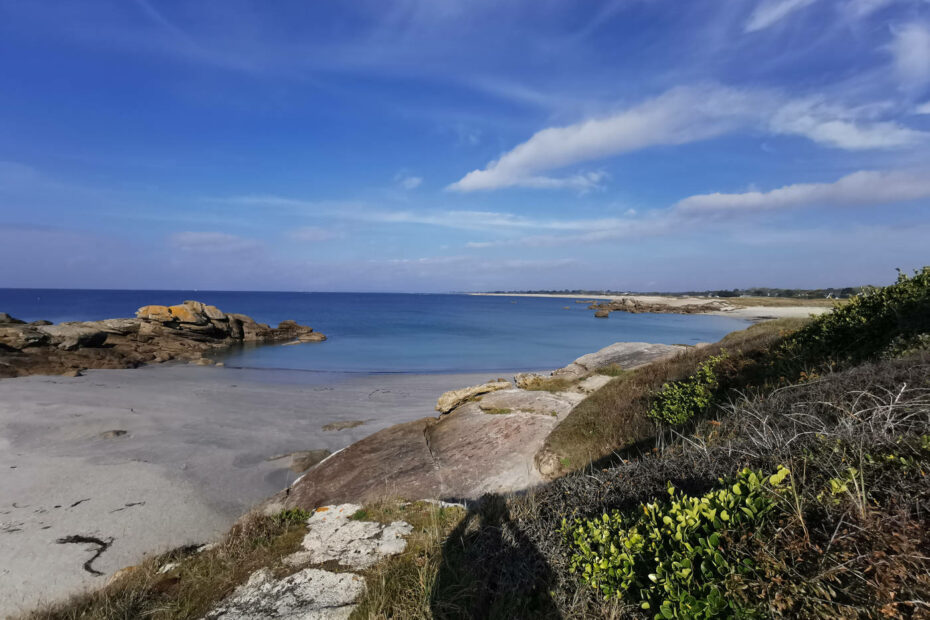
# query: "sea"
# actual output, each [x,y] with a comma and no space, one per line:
[397,333]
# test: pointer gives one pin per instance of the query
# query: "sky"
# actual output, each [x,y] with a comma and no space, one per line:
[463,145]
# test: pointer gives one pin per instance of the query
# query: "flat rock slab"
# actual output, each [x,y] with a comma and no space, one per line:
[543,403]
[311,594]
[479,453]
[333,535]
[627,355]
[395,462]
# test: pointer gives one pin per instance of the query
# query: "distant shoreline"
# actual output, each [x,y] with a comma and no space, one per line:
[753,313]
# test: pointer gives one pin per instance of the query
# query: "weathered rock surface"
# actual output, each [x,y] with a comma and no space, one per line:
[542,403]
[333,536]
[158,333]
[453,398]
[461,455]
[311,594]
[627,355]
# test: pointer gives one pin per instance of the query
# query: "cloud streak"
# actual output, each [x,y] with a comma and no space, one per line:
[770,12]
[680,116]
[859,188]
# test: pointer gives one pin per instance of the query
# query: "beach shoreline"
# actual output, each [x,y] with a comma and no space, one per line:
[197,453]
[754,313]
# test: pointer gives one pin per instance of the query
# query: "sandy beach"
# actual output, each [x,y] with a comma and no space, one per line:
[193,458]
[748,312]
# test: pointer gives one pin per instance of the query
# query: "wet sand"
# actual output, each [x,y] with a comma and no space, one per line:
[193,459]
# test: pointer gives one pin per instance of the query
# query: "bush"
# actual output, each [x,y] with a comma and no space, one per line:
[673,558]
[680,401]
[863,328]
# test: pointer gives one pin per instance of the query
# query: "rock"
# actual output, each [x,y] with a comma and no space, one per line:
[188,312]
[525,380]
[593,383]
[602,314]
[476,453]
[333,536]
[155,313]
[74,372]
[627,355]
[452,399]
[342,425]
[311,594]
[18,338]
[390,463]
[71,336]
[303,460]
[113,434]
[185,331]
[543,403]
[6,318]
[35,323]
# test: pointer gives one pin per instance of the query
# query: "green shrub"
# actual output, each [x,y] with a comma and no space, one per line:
[867,325]
[672,558]
[678,402]
[290,516]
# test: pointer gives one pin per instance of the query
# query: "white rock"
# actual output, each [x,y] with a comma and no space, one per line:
[453,398]
[627,355]
[332,535]
[310,594]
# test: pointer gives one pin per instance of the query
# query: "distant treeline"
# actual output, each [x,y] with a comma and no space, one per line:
[796,293]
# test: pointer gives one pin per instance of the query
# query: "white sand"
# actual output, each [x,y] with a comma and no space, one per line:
[752,313]
[193,461]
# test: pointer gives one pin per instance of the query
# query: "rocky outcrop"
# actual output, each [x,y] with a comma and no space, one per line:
[185,331]
[453,398]
[635,305]
[626,355]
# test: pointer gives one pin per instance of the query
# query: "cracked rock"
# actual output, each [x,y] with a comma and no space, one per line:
[332,535]
[311,594]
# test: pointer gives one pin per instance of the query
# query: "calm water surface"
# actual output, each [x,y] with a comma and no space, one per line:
[373,332]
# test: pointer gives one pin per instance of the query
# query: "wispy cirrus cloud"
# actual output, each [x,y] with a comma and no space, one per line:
[770,12]
[211,242]
[314,234]
[680,116]
[865,187]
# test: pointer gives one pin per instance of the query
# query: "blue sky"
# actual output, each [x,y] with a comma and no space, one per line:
[443,145]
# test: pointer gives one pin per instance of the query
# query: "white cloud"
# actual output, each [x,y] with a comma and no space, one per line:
[313,233]
[859,188]
[863,8]
[840,127]
[923,108]
[910,50]
[769,12]
[680,116]
[409,182]
[211,242]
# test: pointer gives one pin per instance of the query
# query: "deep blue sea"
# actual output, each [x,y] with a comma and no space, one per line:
[385,332]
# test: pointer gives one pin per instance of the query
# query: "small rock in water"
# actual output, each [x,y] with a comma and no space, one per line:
[112,434]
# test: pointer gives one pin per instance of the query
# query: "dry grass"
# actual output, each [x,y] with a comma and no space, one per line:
[614,418]
[195,585]
[404,586]
[548,384]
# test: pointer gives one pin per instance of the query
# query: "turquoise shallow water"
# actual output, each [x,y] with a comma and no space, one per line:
[386,332]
